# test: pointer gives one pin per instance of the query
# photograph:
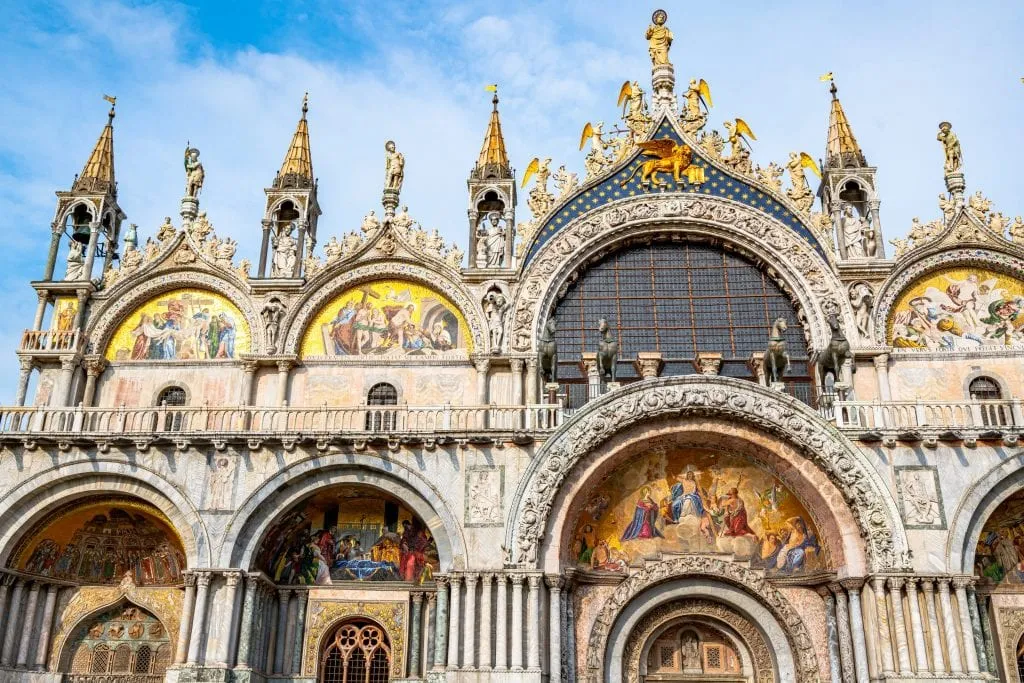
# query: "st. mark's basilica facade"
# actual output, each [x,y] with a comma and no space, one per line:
[691,421]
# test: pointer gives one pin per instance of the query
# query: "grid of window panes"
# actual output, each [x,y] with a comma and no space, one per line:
[678,298]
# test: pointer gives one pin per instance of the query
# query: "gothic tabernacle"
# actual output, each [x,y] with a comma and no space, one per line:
[680,414]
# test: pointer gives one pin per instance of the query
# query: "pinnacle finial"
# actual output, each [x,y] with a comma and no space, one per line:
[305,105]
[841,148]
[98,173]
[493,159]
[297,169]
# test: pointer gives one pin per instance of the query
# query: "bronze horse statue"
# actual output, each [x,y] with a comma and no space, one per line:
[776,358]
[547,350]
[835,354]
[607,352]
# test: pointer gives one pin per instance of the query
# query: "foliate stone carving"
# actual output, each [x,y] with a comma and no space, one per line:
[744,402]
[1011,622]
[804,271]
[805,658]
[764,669]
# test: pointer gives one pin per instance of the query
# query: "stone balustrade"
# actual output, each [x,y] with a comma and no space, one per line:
[929,415]
[50,340]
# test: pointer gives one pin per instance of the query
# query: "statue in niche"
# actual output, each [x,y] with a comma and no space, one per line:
[76,262]
[194,174]
[272,313]
[861,300]
[691,653]
[394,167]
[954,160]
[491,233]
[495,306]
[853,227]
[285,253]
[547,347]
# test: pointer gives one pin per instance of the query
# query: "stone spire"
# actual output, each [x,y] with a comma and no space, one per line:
[98,174]
[493,160]
[842,150]
[297,169]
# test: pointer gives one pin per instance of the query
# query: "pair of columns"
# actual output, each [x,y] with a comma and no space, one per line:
[26,626]
[464,642]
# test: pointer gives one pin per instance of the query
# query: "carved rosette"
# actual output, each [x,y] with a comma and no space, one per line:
[799,637]
[805,273]
[699,395]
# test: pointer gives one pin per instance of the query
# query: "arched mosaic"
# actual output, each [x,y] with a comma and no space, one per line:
[348,533]
[958,308]
[388,318]
[182,324]
[100,541]
[689,500]
[999,556]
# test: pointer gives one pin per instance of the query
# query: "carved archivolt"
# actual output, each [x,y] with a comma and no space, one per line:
[115,309]
[324,615]
[1011,625]
[808,276]
[764,666]
[910,273]
[300,314]
[699,565]
[696,395]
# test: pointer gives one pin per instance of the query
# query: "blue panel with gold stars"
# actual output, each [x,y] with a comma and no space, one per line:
[715,182]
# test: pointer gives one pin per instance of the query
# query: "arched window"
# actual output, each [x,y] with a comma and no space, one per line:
[987,390]
[381,419]
[119,641]
[172,397]
[358,652]
[679,298]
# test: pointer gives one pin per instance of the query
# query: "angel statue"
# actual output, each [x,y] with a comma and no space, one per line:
[634,109]
[565,182]
[801,193]
[596,161]
[739,155]
[659,38]
[694,116]
[194,174]
[951,147]
[394,167]
[540,199]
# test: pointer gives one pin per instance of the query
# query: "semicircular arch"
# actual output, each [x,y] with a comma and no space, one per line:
[862,489]
[976,506]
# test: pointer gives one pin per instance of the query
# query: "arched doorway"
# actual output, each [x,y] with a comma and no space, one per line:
[358,651]
[125,641]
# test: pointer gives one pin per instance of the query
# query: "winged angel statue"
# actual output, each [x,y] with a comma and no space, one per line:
[668,157]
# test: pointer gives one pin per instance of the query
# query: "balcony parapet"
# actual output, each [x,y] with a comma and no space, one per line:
[322,425]
[50,341]
[931,421]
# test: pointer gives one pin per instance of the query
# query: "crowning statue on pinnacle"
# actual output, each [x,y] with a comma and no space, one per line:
[659,38]
[194,174]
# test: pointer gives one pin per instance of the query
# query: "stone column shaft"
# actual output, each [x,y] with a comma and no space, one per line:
[482,365]
[832,636]
[415,634]
[247,619]
[882,373]
[223,654]
[283,368]
[920,652]
[455,609]
[517,622]
[24,372]
[67,376]
[517,381]
[860,650]
[966,628]
[470,625]
[37,323]
[263,249]
[845,638]
[501,617]
[46,627]
[554,584]
[301,600]
[899,625]
[51,256]
[485,620]
[531,381]
[441,625]
[199,617]
[938,661]
[90,251]
[29,627]
[986,659]
[188,608]
[14,611]
[534,625]
[283,598]
[884,633]
[248,377]
[289,636]
[429,619]
[950,627]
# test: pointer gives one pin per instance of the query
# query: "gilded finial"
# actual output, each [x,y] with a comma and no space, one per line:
[305,104]
[113,102]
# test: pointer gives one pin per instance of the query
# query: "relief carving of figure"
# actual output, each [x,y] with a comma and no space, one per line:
[394,167]
[659,38]
[272,313]
[285,253]
[950,147]
[495,307]
[76,262]
[491,233]
[194,174]
[922,503]
[861,300]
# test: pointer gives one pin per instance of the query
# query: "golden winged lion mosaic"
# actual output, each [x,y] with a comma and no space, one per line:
[669,157]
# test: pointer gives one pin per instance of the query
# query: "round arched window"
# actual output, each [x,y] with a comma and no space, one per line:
[988,391]
[172,396]
[378,419]
[679,298]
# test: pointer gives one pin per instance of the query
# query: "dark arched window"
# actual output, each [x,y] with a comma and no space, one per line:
[679,298]
[357,652]
[992,414]
[170,398]
[381,419]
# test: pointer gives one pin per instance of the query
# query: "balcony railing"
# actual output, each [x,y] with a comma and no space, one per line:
[928,415]
[324,420]
[49,340]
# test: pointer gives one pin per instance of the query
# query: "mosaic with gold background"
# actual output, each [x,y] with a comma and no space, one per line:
[184,324]
[388,318]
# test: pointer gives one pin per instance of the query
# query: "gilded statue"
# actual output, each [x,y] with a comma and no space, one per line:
[951,147]
[697,102]
[739,151]
[669,157]
[540,200]
[634,109]
[596,160]
[194,174]
[801,193]
[394,167]
[659,38]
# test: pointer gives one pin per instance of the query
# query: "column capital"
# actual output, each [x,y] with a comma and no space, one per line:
[911,582]
[927,585]
[442,580]
[285,365]
[232,578]
[487,577]
[825,591]
[43,296]
[68,362]
[516,364]
[26,363]
[95,365]
[554,582]
[516,579]
[962,582]
[881,361]
[895,583]
[284,593]
[249,365]
[853,583]
[431,598]
[203,579]
[471,578]
[417,597]
[878,582]
[190,580]
[481,364]
[943,582]
[534,580]
[301,596]
[531,363]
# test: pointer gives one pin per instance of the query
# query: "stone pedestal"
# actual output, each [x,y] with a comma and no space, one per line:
[551,391]
[663,81]
[189,209]
[390,202]
[956,185]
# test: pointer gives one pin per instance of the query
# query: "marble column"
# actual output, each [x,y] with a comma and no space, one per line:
[56,231]
[570,633]
[960,584]
[979,636]
[949,627]
[845,639]
[517,365]
[554,584]
[415,633]
[198,635]
[832,634]
[14,610]
[247,619]
[882,620]
[429,617]
[25,366]
[90,251]
[28,627]
[68,364]
[94,367]
[441,623]
[249,368]
[223,654]
[486,579]
[301,600]
[899,624]
[882,373]
[272,622]
[481,365]
[470,625]
[188,608]
[262,270]
[501,617]
[916,628]
[5,587]
[46,627]
[938,661]
[517,621]
[283,598]
[533,623]
[283,368]
[455,607]
[531,381]
[860,650]
[986,634]
[289,635]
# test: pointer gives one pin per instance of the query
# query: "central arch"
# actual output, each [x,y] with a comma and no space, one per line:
[738,401]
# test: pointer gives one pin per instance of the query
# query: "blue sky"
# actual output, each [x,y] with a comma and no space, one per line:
[230,77]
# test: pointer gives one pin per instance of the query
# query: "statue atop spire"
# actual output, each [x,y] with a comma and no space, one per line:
[297,168]
[493,159]
[98,173]
[663,76]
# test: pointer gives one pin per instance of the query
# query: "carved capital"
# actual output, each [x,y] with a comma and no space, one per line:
[648,364]
[962,582]
[441,580]
[26,364]
[232,578]
[482,365]
[927,585]
[534,581]
[203,579]
[531,364]
[471,579]
[285,365]
[95,365]
[517,365]
[516,579]
[881,361]
[417,597]
[68,362]
[554,582]
[895,583]
[943,583]
[707,363]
